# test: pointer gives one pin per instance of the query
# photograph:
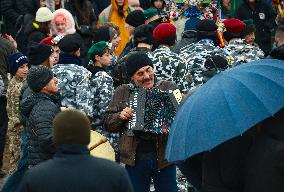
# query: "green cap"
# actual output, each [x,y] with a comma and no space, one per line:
[151,12]
[248,22]
[98,48]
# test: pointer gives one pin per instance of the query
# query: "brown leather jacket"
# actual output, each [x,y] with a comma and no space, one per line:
[128,145]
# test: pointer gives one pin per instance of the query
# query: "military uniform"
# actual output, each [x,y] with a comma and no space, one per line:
[14,126]
[74,87]
[169,66]
[242,52]
[196,54]
[102,89]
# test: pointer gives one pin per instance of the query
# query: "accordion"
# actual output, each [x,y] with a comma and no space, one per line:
[154,110]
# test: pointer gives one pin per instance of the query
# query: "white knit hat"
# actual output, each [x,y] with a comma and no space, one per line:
[43,14]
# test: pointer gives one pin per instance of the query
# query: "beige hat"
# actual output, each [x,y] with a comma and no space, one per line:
[43,14]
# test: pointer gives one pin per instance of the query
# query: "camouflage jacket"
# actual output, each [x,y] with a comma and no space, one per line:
[1,86]
[196,54]
[169,66]
[13,95]
[102,89]
[242,52]
[74,87]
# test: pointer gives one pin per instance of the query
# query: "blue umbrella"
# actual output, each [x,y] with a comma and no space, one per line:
[226,106]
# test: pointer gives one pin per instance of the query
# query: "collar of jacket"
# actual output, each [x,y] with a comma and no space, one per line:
[71,149]
[67,58]
[94,69]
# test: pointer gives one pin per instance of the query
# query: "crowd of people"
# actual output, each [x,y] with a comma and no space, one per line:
[69,66]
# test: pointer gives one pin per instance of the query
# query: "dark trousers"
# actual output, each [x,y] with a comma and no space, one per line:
[3,126]
[141,174]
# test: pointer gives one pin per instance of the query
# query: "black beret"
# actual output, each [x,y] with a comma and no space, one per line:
[206,25]
[70,43]
[38,53]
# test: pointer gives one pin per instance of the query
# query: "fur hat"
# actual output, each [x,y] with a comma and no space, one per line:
[136,61]
[71,127]
[38,77]
[16,60]
[43,14]
[70,23]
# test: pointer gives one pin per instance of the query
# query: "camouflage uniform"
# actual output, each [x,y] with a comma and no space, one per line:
[74,87]
[242,52]
[102,89]
[14,127]
[169,66]
[196,54]
[1,85]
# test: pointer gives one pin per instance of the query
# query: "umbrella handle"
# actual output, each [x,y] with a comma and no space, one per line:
[101,141]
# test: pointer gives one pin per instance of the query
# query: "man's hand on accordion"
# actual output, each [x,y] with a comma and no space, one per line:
[126,113]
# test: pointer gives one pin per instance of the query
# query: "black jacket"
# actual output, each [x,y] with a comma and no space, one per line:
[11,11]
[74,169]
[39,110]
[34,34]
[265,166]
[224,166]
[277,53]
[264,21]
[188,37]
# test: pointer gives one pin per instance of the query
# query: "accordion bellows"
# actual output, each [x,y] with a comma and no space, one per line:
[154,110]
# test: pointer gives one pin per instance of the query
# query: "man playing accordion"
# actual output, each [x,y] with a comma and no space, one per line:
[142,152]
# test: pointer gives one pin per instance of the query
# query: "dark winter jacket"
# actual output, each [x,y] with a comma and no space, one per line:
[188,37]
[11,11]
[119,74]
[265,165]
[6,49]
[39,110]
[223,167]
[129,145]
[264,20]
[277,53]
[34,34]
[73,169]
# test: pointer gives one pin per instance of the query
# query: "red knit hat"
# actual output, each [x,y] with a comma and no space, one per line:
[163,31]
[234,25]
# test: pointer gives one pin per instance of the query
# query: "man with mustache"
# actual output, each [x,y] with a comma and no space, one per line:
[142,153]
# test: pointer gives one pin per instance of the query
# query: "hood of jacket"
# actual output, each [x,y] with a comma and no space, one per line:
[70,23]
[278,53]
[29,102]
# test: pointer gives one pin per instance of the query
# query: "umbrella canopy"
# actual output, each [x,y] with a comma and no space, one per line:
[226,106]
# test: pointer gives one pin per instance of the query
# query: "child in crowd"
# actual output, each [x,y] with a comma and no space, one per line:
[18,68]
[101,86]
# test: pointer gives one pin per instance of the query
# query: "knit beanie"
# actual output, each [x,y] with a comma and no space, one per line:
[38,53]
[98,49]
[191,23]
[135,18]
[136,61]
[70,43]
[43,14]
[71,127]
[206,25]
[38,77]
[164,31]
[144,34]
[234,25]
[16,60]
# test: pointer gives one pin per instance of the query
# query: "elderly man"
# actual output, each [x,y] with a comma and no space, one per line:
[143,152]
